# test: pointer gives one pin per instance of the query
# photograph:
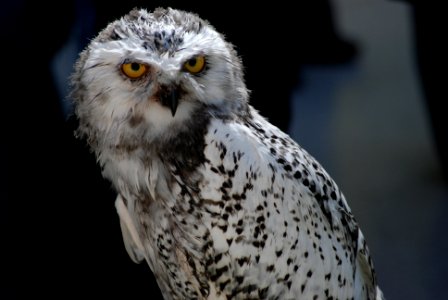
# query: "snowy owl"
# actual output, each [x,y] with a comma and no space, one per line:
[218,202]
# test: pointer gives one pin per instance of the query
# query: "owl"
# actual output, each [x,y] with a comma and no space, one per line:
[220,203]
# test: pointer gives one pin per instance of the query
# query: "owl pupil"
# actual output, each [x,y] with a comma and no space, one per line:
[192,62]
[135,66]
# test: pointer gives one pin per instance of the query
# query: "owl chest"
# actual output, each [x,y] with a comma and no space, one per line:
[172,235]
[174,250]
[128,173]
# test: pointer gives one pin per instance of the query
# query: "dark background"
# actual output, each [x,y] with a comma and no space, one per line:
[61,227]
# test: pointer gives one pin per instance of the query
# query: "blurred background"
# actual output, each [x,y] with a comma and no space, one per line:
[356,83]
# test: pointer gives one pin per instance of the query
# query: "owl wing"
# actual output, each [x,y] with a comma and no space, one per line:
[131,239]
[255,174]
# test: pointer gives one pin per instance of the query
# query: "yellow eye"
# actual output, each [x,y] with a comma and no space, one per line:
[195,64]
[134,70]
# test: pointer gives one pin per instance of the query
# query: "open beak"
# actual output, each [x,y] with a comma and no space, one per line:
[169,97]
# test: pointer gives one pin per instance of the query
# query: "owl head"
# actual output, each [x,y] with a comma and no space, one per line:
[149,76]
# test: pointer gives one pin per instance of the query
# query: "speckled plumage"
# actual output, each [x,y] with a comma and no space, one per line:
[220,203]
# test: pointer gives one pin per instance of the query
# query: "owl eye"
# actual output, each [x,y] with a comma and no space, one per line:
[134,70]
[195,64]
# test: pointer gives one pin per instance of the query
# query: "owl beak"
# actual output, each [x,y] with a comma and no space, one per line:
[169,97]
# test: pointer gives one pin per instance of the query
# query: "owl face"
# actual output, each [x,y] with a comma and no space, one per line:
[147,76]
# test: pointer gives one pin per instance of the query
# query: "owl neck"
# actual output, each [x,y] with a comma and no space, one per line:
[185,151]
[181,146]
[186,148]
